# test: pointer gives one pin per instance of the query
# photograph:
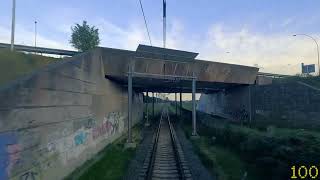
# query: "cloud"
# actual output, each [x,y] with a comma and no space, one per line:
[287,22]
[113,35]
[25,37]
[271,51]
[275,53]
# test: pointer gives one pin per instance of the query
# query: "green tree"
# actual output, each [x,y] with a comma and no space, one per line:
[84,37]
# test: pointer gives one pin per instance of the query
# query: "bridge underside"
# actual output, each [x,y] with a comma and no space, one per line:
[155,70]
[163,85]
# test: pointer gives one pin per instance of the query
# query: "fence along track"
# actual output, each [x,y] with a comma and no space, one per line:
[165,159]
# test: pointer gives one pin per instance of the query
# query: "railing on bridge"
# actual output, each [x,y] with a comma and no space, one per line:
[40,50]
[273,75]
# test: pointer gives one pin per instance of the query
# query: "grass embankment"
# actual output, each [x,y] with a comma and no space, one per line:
[263,155]
[223,163]
[17,64]
[110,163]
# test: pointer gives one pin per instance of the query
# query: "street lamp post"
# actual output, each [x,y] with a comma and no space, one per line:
[13,23]
[35,34]
[317,48]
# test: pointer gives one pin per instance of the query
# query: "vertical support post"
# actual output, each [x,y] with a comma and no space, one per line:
[176,103]
[180,104]
[129,102]
[147,111]
[250,105]
[129,143]
[153,104]
[194,115]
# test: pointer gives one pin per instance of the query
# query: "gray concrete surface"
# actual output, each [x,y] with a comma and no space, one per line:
[287,104]
[55,119]
[210,75]
[229,103]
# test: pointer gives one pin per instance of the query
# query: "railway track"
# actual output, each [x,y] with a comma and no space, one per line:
[165,159]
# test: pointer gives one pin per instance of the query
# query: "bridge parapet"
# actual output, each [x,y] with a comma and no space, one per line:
[116,64]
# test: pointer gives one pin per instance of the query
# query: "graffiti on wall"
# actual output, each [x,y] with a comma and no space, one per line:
[109,126]
[86,123]
[80,138]
[86,133]
[239,114]
[29,175]
[14,151]
[62,146]
[8,156]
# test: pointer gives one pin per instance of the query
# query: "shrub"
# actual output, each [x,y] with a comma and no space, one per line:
[274,153]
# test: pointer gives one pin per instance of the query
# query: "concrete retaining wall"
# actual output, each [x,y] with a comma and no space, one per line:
[55,119]
[294,104]
[281,104]
[233,104]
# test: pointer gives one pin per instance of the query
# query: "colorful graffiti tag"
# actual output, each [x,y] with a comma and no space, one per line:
[61,146]
[8,153]
[29,175]
[109,126]
[80,138]
[14,155]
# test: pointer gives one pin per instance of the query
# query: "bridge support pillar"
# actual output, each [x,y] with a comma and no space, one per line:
[153,104]
[180,105]
[250,105]
[129,143]
[147,110]
[176,103]
[194,115]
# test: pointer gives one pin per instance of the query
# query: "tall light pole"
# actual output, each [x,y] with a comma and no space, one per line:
[316,45]
[13,23]
[164,23]
[35,34]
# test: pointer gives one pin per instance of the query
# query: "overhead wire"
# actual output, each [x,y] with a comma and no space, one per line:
[145,22]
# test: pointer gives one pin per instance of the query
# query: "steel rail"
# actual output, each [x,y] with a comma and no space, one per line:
[177,155]
[154,149]
[180,169]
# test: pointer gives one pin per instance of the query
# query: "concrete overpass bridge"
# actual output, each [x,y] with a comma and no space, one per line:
[70,110]
[154,69]
[167,70]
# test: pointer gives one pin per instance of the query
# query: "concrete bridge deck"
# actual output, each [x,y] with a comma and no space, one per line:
[159,71]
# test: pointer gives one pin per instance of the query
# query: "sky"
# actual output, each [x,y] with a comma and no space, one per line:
[254,32]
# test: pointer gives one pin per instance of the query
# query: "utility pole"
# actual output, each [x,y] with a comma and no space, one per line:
[35,34]
[13,23]
[164,23]
[194,116]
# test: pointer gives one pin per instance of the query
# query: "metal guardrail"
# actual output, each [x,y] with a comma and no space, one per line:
[40,49]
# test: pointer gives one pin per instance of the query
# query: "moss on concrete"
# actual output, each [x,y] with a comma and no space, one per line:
[17,64]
